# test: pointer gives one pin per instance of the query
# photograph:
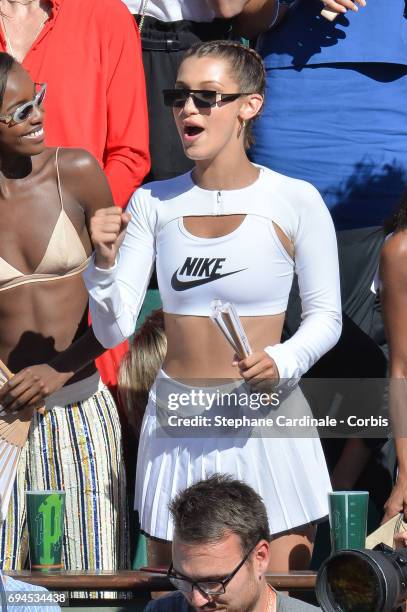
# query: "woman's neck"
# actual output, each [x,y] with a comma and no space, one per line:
[234,173]
[22,22]
[15,166]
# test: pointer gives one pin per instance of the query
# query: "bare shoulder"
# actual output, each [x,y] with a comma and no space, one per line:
[393,257]
[80,169]
[394,249]
[82,175]
[77,162]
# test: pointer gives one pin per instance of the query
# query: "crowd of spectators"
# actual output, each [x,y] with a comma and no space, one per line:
[197,137]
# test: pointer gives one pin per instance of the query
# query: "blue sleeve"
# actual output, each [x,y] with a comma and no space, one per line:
[17,586]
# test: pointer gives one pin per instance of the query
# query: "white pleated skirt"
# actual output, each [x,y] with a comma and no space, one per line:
[289,473]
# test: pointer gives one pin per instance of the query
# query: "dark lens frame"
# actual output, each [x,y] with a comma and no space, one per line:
[179,583]
[23,113]
[177,98]
[174,578]
[170,96]
[202,98]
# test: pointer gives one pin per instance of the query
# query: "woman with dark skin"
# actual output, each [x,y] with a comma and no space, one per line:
[393,295]
[47,197]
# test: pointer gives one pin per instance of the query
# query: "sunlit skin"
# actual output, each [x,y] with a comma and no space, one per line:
[246,592]
[393,295]
[40,321]
[341,6]
[196,349]
[23,23]
[220,163]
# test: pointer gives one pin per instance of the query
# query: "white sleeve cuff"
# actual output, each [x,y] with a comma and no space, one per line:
[286,365]
[102,277]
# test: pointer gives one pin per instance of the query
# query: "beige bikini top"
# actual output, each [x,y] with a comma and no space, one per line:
[64,255]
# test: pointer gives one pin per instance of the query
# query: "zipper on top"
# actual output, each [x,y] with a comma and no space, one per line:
[218,206]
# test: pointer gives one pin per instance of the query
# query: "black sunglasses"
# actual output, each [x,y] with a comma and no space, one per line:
[206,587]
[202,98]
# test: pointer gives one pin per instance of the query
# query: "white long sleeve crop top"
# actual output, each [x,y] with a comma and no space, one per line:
[248,267]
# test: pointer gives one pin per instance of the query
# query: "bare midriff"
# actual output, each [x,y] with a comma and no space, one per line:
[197,349]
[39,320]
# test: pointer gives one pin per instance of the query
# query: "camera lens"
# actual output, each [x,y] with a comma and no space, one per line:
[353,585]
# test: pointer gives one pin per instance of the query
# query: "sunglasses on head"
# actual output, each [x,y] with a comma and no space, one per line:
[202,98]
[25,110]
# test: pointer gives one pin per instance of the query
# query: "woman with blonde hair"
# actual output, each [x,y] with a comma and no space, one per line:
[140,366]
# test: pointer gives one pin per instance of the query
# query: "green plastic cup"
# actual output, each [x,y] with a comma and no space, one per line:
[348,519]
[45,519]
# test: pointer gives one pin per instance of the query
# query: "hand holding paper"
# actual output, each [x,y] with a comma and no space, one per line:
[255,367]
[260,370]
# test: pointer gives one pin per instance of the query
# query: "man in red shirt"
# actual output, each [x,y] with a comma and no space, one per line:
[88,53]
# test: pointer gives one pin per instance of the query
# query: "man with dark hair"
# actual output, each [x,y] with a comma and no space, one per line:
[220,552]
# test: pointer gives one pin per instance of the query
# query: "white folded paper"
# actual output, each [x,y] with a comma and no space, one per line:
[225,317]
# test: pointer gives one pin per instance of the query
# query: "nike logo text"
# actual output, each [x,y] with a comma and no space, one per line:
[206,269]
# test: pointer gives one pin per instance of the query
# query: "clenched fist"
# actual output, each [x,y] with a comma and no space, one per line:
[107,230]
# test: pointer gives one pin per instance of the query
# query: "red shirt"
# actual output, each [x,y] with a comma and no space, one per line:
[89,55]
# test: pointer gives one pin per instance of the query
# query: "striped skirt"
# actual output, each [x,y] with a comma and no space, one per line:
[75,446]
